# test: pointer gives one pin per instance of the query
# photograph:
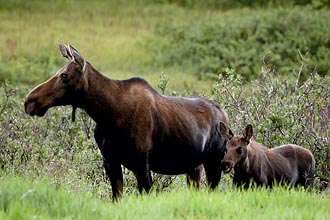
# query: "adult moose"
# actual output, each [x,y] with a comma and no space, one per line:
[135,125]
[291,164]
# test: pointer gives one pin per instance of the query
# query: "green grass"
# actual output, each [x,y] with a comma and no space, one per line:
[27,199]
[113,36]
[145,38]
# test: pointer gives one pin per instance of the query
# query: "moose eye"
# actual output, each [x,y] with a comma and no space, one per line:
[64,76]
[239,150]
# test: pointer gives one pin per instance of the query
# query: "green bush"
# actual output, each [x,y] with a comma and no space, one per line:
[240,40]
[229,4]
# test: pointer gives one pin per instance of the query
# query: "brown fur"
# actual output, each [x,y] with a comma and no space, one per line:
[135,125]
[290,164]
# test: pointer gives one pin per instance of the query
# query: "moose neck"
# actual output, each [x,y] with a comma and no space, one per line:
[98,95]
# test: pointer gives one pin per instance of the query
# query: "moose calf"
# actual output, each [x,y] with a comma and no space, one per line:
[290,164]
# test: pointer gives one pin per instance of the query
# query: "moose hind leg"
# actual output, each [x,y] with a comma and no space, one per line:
[213,173]
[194,177]
[143,175]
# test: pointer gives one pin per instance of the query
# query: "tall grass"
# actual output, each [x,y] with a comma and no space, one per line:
[27,199]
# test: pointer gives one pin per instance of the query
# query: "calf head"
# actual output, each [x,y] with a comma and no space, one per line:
[61,89]
[236,148]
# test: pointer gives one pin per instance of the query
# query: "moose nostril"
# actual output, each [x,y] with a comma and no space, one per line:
[30,105]
[225,164]
[29,108]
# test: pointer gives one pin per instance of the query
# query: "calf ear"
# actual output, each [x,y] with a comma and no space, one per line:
[64,50]
[77,57]
[248,132]
[225,130]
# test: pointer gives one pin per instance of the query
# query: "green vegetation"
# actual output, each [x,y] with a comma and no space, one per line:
[26,199]
[279,37]
[268,64]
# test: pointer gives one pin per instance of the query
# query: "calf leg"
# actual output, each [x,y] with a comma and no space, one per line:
[306,172]
[306,178]
[311,173]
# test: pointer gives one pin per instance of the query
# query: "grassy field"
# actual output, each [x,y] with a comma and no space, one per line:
[27,199]
[113,37]
[51,168]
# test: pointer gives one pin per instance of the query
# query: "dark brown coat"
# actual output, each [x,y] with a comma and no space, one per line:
[291,164]
[135,125]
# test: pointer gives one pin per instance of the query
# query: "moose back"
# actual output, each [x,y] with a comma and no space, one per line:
[135,125]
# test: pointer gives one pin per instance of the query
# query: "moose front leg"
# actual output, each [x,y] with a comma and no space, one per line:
[115,175]
[111,164]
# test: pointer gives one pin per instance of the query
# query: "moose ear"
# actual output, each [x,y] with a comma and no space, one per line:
[77,57]
[64,50]
[248,132]
[225,130]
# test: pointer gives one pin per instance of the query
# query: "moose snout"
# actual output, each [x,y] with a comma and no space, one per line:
[30,106]
[226,166]
[33,107]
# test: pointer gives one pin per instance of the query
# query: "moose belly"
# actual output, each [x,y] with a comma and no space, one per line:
[173,162]
[168,155]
